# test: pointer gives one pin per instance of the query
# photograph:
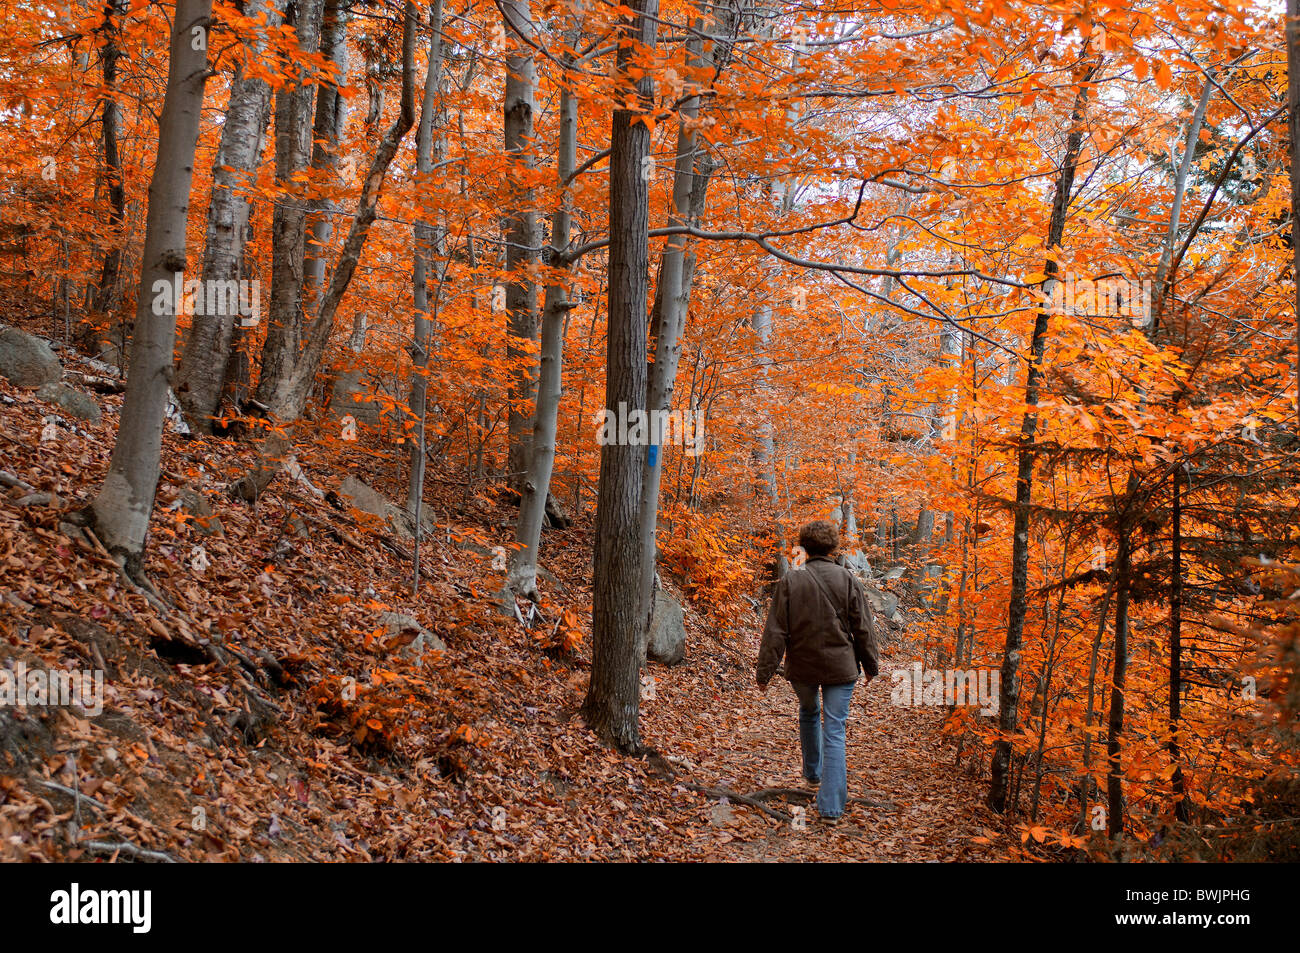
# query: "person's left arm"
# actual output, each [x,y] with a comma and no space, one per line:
[865,641]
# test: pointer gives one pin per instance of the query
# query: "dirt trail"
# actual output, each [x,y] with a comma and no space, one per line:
[895,754]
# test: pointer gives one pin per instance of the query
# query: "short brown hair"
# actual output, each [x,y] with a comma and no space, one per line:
[819,538]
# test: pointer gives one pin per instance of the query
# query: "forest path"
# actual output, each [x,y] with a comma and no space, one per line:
[895,754]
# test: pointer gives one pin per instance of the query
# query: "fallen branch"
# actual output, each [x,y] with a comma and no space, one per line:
[75,795]
[104,385]
[126,847]
[8,479]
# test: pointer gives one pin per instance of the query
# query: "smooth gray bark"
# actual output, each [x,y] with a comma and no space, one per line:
[521,232]
[429,242]
[672,301]
[536,481]
[327,131]
[287,396]
[120,512]
[106,296]
[293,127]
[206,355]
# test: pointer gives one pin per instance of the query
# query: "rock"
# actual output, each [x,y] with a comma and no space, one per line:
[367,499]
[349,398]
[666,640]
[555,515]
[295,525]
[857,562]
[364,497]
[895,573]
[196,506]
[74,402]
[396,623]
[26,360]
[883,603]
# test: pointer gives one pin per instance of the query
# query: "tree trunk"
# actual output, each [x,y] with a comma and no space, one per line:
[536,482]
[207,352]
[121,510]
[1009,703]
[327,131]
[429,241]
[287,395]
[1176,652]
[613,695]
[672,302]
[293,128]
[106,295]
[521,233]
[1115,718]
[1293,129]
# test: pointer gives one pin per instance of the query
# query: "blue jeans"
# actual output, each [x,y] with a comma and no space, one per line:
[821,737]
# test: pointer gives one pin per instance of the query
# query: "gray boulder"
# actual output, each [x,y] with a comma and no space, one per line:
[858,563]
[26,360]
[369,500]
[666,640]
[364,497]
[195,505]
[73,402]
[396,623]
[883,603]
[348,398]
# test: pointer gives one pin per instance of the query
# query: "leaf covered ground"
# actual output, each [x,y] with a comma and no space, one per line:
[258,709]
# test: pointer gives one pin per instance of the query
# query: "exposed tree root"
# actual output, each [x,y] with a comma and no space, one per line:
[801,794]
[757,798]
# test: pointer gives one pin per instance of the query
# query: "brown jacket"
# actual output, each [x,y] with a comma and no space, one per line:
[804,628]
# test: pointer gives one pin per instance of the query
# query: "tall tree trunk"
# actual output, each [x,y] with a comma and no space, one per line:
[207,351]
[1009,703]
[672,302]
[1176,207]
[293,128]
[1293,129]
[1176,651]
[121,510]
[106,295]
[521,232]
[1115,718]
[536,482]
[612,704]
[429,241]
[327,131]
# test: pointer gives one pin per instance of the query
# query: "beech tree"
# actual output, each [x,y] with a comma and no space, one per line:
[121,509]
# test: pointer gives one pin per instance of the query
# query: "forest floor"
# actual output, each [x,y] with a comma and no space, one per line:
[923,807]
[259,709]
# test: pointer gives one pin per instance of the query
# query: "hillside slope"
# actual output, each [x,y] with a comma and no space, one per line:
[269,705]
